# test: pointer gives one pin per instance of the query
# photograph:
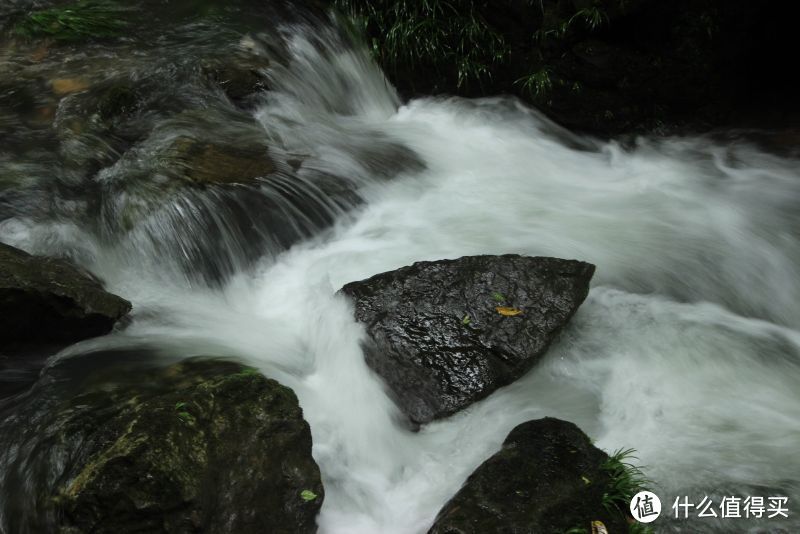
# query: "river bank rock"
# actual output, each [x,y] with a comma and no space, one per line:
[48,299]
[447,333]
[199,446]
[547,477]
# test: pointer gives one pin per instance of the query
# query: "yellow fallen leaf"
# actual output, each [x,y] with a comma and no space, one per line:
[508,312]
[586,480]
[599,528]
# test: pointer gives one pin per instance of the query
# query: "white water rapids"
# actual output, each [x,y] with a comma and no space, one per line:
[687,349]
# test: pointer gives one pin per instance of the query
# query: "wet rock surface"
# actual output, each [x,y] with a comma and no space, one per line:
[213,162]
[199,446]
[48,299]
[547,478]
[447,333]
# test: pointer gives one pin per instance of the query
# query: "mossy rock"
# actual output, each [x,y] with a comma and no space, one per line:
[548,478]
[199,446]
[48,299]
[211,162]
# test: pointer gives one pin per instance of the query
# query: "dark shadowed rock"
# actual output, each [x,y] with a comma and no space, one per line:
[47,299]
[199,446]
[438,337]
[547,478]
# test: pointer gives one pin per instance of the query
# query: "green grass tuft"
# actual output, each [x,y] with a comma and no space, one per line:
[538,84]
[626,480]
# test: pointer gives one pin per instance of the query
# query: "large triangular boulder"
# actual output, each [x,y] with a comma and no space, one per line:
[444,334]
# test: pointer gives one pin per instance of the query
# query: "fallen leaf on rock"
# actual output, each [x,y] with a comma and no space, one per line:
[508,312]
[308,495]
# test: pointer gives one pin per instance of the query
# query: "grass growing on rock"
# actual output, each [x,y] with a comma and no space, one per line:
[626,480]
[85,19]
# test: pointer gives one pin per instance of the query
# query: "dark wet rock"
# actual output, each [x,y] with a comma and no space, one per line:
[240,73]
[206,162]
[547,478]
[199,446]
[438,338]
[47,299]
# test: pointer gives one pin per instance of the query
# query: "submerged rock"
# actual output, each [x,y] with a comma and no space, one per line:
[205,162]
[447,333]
[48,299]
[199,446]
[548,477]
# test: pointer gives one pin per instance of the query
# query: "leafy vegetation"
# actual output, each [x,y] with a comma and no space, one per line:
[639,528]
[455,42]
[84,19]
[432,33]
[538,83]
[626,480]
[183,413]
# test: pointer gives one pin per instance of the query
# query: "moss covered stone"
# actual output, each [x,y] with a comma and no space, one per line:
[199,446]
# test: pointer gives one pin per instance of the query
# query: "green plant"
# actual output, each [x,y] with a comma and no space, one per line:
[183,413]
[436,34]
[248,371]
[639,528]
[593,17]
[81,20]
[308,495]
[539,83]
[626,480]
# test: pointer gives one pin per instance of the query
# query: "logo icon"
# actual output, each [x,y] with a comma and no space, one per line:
[645,507]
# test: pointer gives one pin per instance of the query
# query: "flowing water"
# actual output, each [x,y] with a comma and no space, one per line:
[687,348]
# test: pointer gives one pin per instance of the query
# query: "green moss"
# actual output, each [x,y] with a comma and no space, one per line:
[85,19]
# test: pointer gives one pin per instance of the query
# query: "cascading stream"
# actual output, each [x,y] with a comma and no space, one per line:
[687,348]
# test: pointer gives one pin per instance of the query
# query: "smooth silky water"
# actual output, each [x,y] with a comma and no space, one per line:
[687,348]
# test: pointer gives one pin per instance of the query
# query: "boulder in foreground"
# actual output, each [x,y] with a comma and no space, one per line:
[547,478]
[447,333]
[199,446]
[48,299]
